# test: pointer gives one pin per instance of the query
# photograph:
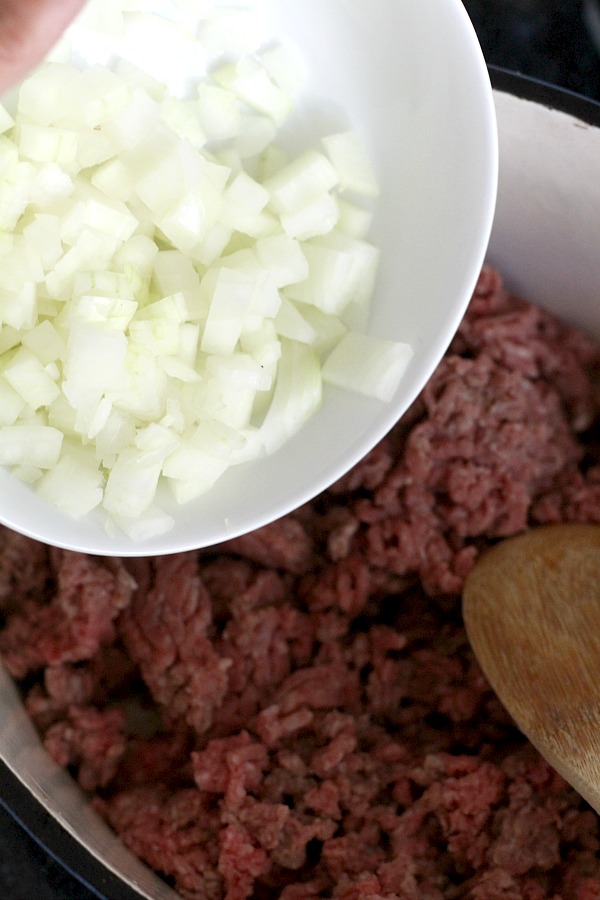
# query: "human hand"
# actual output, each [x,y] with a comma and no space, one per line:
[28,29]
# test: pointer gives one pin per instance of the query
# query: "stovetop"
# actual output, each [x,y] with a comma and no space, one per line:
[546,39]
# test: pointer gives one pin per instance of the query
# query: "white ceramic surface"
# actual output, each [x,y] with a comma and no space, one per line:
[410,77]
[546,234]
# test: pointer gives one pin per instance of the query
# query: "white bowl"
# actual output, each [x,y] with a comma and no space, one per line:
[411,79]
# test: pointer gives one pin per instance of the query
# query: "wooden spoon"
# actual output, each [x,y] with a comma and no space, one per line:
[532,612]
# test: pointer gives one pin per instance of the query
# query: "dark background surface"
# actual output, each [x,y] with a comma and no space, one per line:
[546,39]
[27,872]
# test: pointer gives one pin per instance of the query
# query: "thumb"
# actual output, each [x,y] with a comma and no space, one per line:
[28,29]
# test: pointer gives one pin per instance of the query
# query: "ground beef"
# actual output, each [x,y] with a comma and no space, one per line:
[90,739]
[165,632]
[297,713]
[72,619]
[23,569]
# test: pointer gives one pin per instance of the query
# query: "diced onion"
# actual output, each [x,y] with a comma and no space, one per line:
[75,484]
[30,445]
[350,160]
[367,364]
[174,289]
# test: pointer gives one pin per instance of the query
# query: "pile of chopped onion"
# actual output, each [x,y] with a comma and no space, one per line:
[174,289]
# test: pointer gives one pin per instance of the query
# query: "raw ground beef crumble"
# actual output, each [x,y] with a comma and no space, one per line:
[297,714]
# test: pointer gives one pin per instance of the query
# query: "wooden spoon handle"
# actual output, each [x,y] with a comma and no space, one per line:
[532,612]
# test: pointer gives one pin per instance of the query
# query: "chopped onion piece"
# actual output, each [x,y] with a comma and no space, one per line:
[232,295]
[342,270]
[6,120]
[314,219]
[96,95]
[256,136]
[42,143]
[51,186]
[106,17]
[285,66]
[252,84]
[367,364]
[244,200]
[45,342]
[297,395]
[284,259]
[18,305]
[151,523]
[43,240]
[131,484]
[238,370]
[174,272]
[353,220]
[290,323]
[351,161]
[128,126]
[28,377]
[30,445]
[328,329]
[9,338]
[219,112]
[310,175]
[75,484]
[184,119]
[137,258]
[11,403]
[193,470]
[45,96]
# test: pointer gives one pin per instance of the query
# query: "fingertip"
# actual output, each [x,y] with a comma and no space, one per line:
[28,30]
